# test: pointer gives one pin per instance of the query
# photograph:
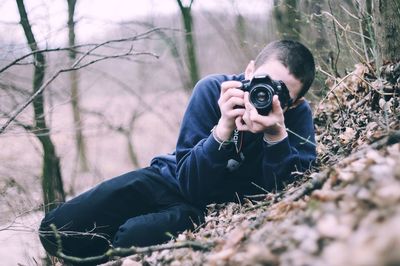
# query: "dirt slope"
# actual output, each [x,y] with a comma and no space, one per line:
[346,212]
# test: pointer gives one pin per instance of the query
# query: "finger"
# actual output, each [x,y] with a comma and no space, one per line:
[249,107]
[256,119]
[238,112]
[254,115]
[225,86]
[264,120]
[231,93]
[233,103]
[240,125]
[276,105]
[246,116]
[247,98]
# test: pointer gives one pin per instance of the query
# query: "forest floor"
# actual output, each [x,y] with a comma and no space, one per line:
[345,212]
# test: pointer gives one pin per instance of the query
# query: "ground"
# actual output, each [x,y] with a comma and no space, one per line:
[346,211]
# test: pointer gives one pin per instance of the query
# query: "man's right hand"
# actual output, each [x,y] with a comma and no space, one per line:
[231,97]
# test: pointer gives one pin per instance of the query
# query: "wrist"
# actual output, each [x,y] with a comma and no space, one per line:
[275,135]
[222,133]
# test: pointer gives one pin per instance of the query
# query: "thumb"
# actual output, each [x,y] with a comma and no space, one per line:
[276,105]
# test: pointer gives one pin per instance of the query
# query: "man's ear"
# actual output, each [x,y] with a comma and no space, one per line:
[248,74]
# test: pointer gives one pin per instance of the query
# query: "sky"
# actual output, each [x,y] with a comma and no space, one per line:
[49,16]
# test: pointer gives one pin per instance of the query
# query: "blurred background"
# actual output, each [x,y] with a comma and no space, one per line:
[112,79]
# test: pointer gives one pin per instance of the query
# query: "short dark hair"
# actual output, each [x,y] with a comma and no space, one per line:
[293,55]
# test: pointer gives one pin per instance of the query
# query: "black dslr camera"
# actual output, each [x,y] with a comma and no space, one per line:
[261,90]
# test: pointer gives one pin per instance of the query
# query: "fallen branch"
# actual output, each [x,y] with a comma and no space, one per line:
[123,252]
[315,183]
[390,139]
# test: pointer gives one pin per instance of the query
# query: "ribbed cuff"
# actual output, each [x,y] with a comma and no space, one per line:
[217,139]
[277,152]
[270,143]
[217,152]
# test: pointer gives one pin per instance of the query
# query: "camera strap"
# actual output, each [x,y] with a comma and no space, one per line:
[237,139]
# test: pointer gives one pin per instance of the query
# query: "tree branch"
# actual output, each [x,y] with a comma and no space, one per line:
[76,47]
[76,66]
[123,252]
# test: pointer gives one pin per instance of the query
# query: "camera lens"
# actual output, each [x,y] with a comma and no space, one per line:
[261,96]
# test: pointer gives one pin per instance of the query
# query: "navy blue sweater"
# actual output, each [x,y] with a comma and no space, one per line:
[205,172]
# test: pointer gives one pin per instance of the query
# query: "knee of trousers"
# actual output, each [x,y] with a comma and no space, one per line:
[46,234]
[72,242]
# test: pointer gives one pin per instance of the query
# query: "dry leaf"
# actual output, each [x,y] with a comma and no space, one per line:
[347,135]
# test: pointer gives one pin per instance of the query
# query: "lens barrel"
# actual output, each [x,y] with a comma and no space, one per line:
[261,97]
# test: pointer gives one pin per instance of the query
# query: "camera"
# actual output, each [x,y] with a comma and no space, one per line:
[261,90]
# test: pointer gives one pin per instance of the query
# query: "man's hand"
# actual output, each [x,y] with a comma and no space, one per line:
[272,125]
[230,98]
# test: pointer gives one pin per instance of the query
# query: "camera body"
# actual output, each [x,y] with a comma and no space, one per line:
[261,90]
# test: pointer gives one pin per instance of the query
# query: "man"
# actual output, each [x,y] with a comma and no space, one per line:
[225,150]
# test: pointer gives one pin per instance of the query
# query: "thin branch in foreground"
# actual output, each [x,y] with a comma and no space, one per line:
[316,182]
[306,140]
[123,252]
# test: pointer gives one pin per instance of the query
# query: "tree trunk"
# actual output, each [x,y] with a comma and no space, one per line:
[387,30]
[241,29]
[287,19]
[176,55]
[366,30]
[131,151]
[75,98]
[190,43]
[321,39]
[52,186]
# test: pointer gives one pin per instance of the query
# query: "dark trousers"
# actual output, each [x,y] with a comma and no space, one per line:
[139,208]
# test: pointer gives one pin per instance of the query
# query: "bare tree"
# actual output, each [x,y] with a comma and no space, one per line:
[235,40]
[366,27]
[387,29]
[75,97]
[52,185]
[190,43]
[287,18]
[127,131]
[171,43]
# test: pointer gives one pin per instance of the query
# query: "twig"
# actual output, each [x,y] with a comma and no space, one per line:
[259,187]
[51,79]
[123,252]
[390,139]
[266,202]
[297,135]
[257,196]
[11,226]
[345,30]
[95,46]
[316,183]
[76,66]
[337,85]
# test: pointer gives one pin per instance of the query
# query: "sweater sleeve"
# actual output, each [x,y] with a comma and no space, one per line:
[200,158]
[202,162]
[296,153]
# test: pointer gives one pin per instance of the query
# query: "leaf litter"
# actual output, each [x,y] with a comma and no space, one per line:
[344,212]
